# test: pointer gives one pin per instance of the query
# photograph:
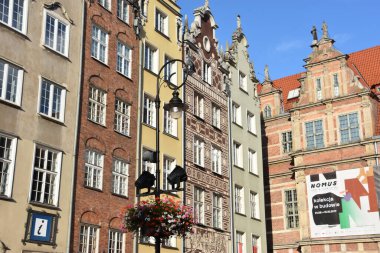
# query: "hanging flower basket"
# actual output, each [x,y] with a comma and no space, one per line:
[159,217]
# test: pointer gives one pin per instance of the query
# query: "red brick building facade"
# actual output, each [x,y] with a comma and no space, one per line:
[106,151]
[323,120]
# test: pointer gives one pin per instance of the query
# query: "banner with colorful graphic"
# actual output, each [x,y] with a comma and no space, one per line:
[343,203]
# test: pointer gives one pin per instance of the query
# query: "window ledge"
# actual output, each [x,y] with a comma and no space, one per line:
[170,135]
[201,225]
[198,117]
[169,247]
[254,174]
[218,174]
[92,188]
[124,22]
[219,229]
[56,52]
[96,123]
[256,219]
[239,167]
[99,61]
[119,195]
[162,34]
[51,119]
[147,125]
[252,133]
[199,166]
[150,71]
[18,32]
[6,198]
[241,214]
[124,135]
[127,77]
[45,205]
[243,90]
[108,10]
[237,124]
[216,128]
[16,106]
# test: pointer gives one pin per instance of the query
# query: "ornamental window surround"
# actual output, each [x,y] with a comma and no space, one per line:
[56,33]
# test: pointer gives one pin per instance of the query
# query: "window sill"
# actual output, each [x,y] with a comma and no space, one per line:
[99,61]
[6,198]
[201,225]
[252,133]
[256,219]
[239,167]
[198,117]
[170,247]
[124,135]
[16,106]
[125,76]
[218,229]
[45,205]
[18,32]
[93,188]
[124,22]
[216,128]
[51,119]
[147,125]
[151,72]
[218,174]
[51,50]
[237,124]
[241,214]
[254,174]
[103,7]
[243,90]
[199,166]
[119,195]
[170,135]
[162,34]
[96,123]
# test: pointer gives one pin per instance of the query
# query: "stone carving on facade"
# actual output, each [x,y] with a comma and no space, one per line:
[266,73]
[325,33]
[207,242]
[56,5]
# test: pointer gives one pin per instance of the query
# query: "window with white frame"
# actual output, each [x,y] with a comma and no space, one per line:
[254,205]
[216,116]
[256,244]
[106,4]
[314,134]
[251,123]
[13,13]
[170,242]
[144,7]
[116,241]
[120,174]
[7,163]
[240,242]
[124,59]
[122,117]
[99,44]
[170,124]
[46,173]
[52,100]
[236,113]
[168,166]
[93,171]
[237,154]
[242,81]
[151,58]
[148,166]
[267,112]
[318,88]
[216,160]
[11,78]
[349,127]
[291,209]
[336,85]
[123,10]
[97,105]
[252,161]
[199,151]
[198,105]
[170,70]
[147,239]
[287,143]
[149,116]
[56,34]
[199,205]
[161,22]
[89,239]
[239,199]
[206,74]
[217,211]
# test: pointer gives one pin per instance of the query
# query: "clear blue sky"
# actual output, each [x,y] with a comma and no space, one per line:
[278,31]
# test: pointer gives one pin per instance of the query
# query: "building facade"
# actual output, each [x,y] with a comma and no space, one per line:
[160,44]
[40,63]
[320,134]
[107,134]
[206,138]
[247,188]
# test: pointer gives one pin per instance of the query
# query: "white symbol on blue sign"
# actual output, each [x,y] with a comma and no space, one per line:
[40,227]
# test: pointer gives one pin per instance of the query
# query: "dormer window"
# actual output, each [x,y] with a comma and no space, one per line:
[267,112]
[319,89]
[336,85]
[206,73]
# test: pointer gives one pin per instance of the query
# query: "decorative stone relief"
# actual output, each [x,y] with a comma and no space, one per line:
[56,5]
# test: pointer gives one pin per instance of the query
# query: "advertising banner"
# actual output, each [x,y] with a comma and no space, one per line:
[343,203]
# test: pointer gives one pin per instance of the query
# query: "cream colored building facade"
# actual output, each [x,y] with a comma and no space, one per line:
[40,63]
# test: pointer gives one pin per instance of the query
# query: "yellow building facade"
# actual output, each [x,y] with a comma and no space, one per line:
[161,20]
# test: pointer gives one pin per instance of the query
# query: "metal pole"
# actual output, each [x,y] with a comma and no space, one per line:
[158,185]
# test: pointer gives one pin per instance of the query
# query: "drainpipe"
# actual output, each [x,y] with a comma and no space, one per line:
[231,174]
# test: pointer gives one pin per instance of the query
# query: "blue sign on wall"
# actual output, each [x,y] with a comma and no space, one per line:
[41,227]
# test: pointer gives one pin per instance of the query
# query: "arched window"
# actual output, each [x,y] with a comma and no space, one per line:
[267,112]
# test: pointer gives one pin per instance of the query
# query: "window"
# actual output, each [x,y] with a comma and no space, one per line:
[236,113]
[46,173]
[144,7]
[170,242]
[170,124]
[52,100]
[287,142]
[237,154]
[93,175]
[56,34]
[120,173]
[251,123]
[10,82]
[13,13]
[147,239]
[256,244]
[319,88]
[7,164]
[242,81]
[252,161]
[267,112]
[99,44]
[217,211]
[254,204]
[116,242]
[240,242]
[97,105]
[198,205]
[314,134]
[336,85]
[349,127]
[161,22]
[239,199]
[89,236]
[170,71]
[216,160]
[206,73]
[122,117]
[215,116]
[199,153]
[106,4]
[169,165]
[149,116]
[123,59]
[291,208]
[198,105]
[123,10]
[151,58]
